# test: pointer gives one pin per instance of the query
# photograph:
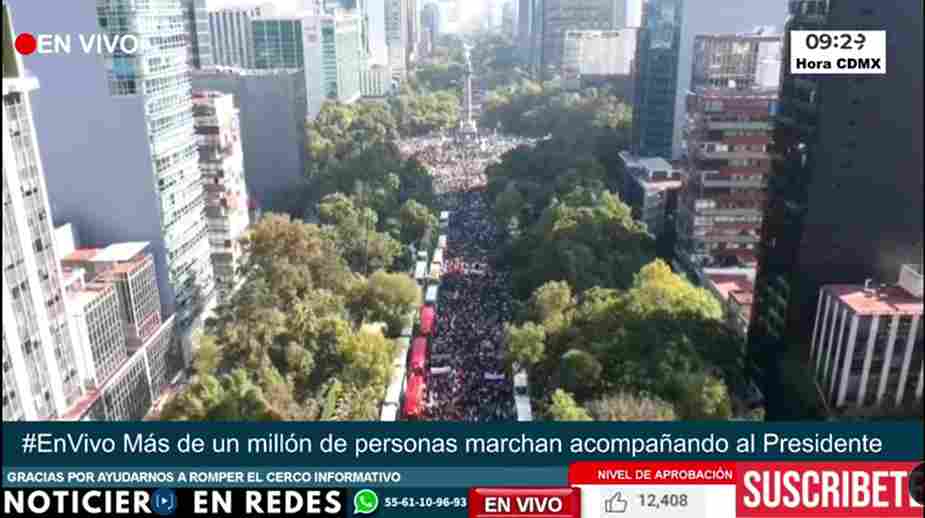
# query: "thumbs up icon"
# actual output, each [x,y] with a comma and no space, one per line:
[615,504]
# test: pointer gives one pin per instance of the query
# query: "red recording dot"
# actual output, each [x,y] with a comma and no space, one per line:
[26,44]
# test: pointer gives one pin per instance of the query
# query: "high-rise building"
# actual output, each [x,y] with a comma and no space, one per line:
[867,343]
[657,77]
[600,55]
[326,45]
[430,18]
[375,81]
[508,24]
[412,25]
[131,137]
[524,24]
[96,318]
[396,34]
[232,34]
[218,130]
[721,207]
[130,269]
[334,58]
[279,41]
[200,48]
[561,16]
[737,61]
[272,105]
[41,376]
[634,13]
[130,353]
[845,196]
[650,186]
[378,47]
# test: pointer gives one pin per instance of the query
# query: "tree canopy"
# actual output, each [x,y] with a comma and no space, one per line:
[289,345]
[586,239]
[661,337]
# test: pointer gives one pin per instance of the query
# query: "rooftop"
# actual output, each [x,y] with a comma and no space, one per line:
[891,300]
[653,173]
[739,286]
[752,94]
[70,276]
[81,406]
[90,293]
[121,252]
[81,255]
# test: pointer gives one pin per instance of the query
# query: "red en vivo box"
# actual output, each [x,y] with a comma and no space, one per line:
[524,502]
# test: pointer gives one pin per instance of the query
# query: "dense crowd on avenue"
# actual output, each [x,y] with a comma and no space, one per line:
[458,165]
[469,383]
[467,380]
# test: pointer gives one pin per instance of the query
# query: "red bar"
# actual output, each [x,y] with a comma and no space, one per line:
[517,502]
[694,473]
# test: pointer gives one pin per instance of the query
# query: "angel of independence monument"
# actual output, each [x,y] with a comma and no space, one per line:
[467,125]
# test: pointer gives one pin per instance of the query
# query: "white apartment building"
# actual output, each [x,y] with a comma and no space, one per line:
[334,58]
[867,342]
[375,16]
[95,316]
[130,354]
[375,81]
[599,53]
[396,37]
[118,141]
[221,158]
[41,364]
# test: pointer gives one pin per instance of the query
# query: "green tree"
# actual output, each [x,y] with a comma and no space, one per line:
[416,221]
[354,232]
[509,206]
[580,372]
[367,358]
[656,289]
[289,345]
[564,408]
[704,397]
[390,298]
[624,406]
[525,344]
[550,302]
[587,239]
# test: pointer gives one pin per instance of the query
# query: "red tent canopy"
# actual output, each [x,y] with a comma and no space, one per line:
[414,396]
[427,320]
[419,355]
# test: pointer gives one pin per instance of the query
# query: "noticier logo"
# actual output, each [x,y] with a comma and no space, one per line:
[64,44]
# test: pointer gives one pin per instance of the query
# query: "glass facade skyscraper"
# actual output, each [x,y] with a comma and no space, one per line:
[278,43]
[657,56]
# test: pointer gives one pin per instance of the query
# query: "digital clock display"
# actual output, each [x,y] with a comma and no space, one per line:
[837,52]
[844,41]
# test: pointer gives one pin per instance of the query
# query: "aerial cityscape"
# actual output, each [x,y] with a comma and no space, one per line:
[458,210]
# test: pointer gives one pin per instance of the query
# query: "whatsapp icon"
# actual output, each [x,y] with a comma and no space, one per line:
[366,501]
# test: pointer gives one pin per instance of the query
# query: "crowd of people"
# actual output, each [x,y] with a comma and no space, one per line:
[473,305]
[467,380]
[458,165]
